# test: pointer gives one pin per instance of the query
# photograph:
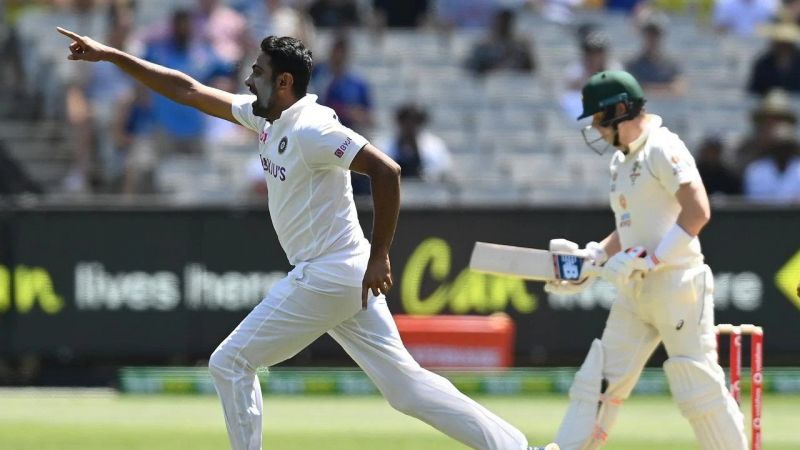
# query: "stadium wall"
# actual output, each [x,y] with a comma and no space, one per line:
[157,285]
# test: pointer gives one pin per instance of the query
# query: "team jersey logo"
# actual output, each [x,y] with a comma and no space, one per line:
[625,220]
[636,172]
[282,145]
[623,202]
[678,164]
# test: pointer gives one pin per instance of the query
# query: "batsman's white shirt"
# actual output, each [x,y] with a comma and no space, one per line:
[306,155]
[643,186]
[673,304]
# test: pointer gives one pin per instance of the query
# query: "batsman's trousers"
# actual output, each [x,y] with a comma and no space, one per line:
[673,306]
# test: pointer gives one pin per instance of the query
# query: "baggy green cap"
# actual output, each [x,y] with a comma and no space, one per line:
[609,88]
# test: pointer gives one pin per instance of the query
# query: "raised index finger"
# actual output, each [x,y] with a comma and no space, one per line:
[70,34]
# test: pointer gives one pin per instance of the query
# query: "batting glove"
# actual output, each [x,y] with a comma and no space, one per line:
[626,265]
[593,252]
[562,287]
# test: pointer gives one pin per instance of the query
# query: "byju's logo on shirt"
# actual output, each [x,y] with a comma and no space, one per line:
[262,137]
[273,169]
[342,148]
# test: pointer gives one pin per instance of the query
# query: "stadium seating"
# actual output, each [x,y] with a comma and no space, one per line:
[510,141]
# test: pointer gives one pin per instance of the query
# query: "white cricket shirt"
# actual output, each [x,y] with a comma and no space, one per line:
[306,155]
[643,186]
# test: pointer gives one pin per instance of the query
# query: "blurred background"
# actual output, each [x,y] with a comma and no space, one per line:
[134,235]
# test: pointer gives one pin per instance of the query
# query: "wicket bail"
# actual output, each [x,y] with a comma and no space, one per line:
[756,334]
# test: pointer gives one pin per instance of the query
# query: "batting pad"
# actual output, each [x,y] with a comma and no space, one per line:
[589,378]
[704,400]
[589,416]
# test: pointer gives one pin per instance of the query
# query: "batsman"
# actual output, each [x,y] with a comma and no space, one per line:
[654,259]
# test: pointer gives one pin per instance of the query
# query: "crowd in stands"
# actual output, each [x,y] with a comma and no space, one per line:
[119,138]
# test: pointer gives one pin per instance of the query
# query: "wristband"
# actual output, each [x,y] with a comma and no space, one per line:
[674,245]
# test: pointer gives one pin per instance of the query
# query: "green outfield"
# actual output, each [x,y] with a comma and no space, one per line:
[70,420]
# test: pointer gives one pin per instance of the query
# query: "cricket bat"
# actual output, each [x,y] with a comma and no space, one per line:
[529,263]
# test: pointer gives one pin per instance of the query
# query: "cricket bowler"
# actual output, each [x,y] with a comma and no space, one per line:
[340,279]
[665,291]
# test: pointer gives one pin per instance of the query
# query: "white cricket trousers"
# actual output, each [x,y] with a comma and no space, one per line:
[293,315]
[673,306]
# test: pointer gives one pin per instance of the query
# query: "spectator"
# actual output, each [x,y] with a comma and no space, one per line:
[334,13]
[742,17]
[46,70]
[658,73]
[277,17]
[91,100]
[624,6]
[594,58]
[404,14]
[502,48]
[468,13]
[348,94]
[776,176]
[132,129]
[420,153]
[343,90]
[774,110]
[790,12]
[779,66]
[717,178]
[223,27]
[179,126]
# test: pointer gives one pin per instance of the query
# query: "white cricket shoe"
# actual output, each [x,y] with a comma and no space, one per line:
[552,446]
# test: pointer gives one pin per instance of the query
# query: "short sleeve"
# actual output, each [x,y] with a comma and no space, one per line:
[673,165]
[242,110]
[329,143]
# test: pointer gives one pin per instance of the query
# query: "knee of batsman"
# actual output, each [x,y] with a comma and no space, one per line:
[590,383]
[695,387]
[605,392]
[223,361]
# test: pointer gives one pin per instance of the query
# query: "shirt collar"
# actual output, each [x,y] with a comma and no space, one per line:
[292,111]
[653,122]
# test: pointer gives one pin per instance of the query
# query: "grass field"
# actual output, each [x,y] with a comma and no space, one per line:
[67,421]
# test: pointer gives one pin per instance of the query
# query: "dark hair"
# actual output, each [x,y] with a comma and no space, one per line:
[506,14]
[287,54]
[181,14]
[411,111]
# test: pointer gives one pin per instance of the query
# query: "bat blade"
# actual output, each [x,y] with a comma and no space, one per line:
[527,263]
